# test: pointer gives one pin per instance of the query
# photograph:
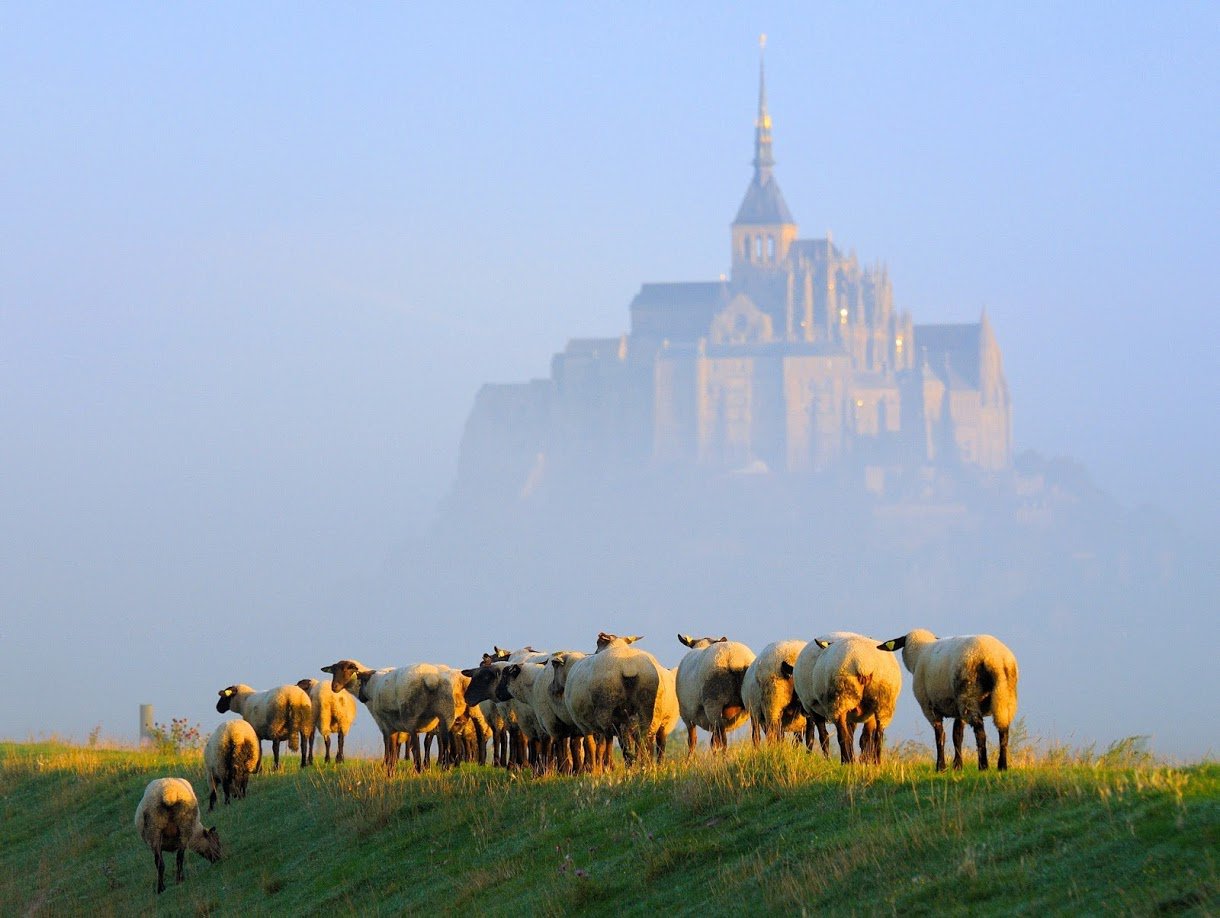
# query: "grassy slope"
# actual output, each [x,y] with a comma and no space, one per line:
[775,830]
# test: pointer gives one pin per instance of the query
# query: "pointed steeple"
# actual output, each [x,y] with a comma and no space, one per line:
[763,159]
[763,203]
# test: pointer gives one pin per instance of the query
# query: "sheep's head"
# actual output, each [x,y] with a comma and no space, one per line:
[695,643]
[343,673]
[208,845]
[559,679]
[306,685]
[226,698]
[483,682]
[510,672]
[605,639]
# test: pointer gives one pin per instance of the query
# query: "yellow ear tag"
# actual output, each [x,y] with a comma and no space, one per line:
[228,692]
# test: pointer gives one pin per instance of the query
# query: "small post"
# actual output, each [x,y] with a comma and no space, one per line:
[146,724]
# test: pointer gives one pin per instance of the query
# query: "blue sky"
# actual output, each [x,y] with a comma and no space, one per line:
[255,261]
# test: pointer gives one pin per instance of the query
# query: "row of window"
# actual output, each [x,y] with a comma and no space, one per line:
[758,244]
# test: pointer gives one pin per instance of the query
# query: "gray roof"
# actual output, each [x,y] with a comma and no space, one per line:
[693,293]
[952,347]
[763,204]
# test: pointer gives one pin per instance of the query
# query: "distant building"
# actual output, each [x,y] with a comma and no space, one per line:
[798,362]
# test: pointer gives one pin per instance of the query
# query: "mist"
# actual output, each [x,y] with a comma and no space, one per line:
[254,268]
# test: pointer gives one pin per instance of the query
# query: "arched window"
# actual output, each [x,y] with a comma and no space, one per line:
[770,248]
[758,248]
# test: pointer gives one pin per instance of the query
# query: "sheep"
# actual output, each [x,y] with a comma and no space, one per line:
[852,682]
[333,712]
[409,699]
[523,731]
[966,678]
[232,753]
[800,671]
[278,714]
[769,695]
[622,692]
[167,818]
[516,688]
[709,687]
[573,749]
[510,748]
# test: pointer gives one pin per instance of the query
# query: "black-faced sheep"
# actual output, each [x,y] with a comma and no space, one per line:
[852,682]
[333,712]
[966,678]
[167,818]
[278,714]
[230,757]
[709,683]
[769,695]
[410,699]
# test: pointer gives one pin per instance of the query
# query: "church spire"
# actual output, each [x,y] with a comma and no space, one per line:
[763,160]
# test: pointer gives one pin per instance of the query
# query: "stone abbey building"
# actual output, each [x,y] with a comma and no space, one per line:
[797,362]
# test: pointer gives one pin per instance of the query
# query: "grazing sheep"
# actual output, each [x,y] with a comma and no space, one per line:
[966,678]
[410,699]
[769,695]
[709,687]
[230,756]
[801,671]
[621,692]
[278,714]
[852,682]
[333,712]
[167,818]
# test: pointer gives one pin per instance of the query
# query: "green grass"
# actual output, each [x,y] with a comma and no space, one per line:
[770,831]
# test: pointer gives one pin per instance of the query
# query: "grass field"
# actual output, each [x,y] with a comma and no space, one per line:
[768,831]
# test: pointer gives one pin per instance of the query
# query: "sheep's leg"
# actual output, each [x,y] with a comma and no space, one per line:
[866,741]
[756,733]
[878,742]
[275,754]
[427,750]
[938,730]
[160,862]
[959,731]
[413,740]
[823,735]
[1002,764]
[980,741]
[259,766]
[660,744]
[179,876]
[306,756]
[212,798]
[843,732]
[339,753]
[690,740]
[325,745]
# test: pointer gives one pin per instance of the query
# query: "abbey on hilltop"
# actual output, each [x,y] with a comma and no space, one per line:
[797,363]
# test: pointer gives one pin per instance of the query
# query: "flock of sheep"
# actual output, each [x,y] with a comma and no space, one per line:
[564,710]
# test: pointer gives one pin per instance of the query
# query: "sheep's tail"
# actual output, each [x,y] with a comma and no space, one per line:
[736,706]
[1001,676]
[300,719]
[242,757]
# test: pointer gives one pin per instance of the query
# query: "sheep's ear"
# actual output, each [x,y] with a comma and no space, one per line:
[821,643]
[895,644]
[786,668]
[469,673]
[304,684]
[557,662]
[633,638]
[513,671]
[328,669]
[684,638]
[721,639]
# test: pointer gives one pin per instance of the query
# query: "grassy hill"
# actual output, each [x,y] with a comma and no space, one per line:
[770,831]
